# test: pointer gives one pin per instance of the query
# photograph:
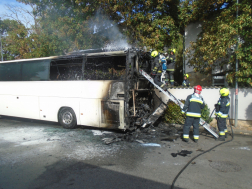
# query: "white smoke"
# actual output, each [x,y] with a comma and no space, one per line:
[105,28]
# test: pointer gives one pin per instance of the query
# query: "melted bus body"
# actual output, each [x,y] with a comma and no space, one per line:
[97,89]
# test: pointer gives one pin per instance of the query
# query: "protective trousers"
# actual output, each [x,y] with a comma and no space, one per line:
[221,122]
[189,121]
[157,79]
[170,75]
[155,65]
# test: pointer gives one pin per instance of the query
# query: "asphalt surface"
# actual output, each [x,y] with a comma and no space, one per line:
[43,155]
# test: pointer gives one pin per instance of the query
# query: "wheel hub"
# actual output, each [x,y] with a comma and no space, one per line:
[67,118]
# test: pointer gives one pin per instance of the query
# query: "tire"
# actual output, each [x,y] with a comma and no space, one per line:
[67,118]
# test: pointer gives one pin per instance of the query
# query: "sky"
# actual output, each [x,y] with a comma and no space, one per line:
[4,10]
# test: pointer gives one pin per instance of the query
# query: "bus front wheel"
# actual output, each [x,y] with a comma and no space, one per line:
[67,118]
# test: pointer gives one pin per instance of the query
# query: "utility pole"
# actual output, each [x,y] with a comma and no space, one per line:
[184,51]
[1,46]
[236,70]
[1,41]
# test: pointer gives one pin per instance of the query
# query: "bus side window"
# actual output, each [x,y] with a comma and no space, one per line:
[36,70]
[10,72]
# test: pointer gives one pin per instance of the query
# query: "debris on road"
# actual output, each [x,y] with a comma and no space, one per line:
[110,140]
[152,144]
[182,153]
[153,134]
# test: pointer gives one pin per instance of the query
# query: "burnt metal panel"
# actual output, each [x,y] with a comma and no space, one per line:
[116,88]
[110,113]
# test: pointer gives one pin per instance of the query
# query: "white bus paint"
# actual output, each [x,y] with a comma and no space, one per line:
[42,100]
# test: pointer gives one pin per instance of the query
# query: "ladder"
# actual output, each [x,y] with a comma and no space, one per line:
[176,101]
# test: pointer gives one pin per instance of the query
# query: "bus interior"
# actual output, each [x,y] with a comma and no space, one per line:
[120,66]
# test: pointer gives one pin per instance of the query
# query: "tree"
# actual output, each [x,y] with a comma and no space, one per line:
[63,21]
[24,37]
[9,29]
[152,23]
[220,30]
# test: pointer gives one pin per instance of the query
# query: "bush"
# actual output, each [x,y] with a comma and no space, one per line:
[205,113]
[174,115]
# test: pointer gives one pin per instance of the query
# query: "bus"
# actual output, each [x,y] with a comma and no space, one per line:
[95,87]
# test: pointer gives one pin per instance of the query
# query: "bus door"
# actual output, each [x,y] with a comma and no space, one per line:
[112,114]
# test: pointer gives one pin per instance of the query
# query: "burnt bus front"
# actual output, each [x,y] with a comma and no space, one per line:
[126,98]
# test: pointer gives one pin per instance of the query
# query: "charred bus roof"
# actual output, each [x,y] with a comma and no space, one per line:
[99,53]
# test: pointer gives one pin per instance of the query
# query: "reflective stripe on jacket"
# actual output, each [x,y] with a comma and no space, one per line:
[186,83]
[224,105]
[193,106]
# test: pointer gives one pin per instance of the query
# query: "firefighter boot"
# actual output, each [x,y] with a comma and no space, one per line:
[186,140]
[196,140]
[226,133]
[221,138]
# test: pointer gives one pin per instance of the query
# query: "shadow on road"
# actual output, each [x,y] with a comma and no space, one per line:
[81,175]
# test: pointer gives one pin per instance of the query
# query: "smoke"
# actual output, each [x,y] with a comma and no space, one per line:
[108,34]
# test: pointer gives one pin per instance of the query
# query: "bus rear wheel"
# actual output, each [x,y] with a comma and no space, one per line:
[67,118]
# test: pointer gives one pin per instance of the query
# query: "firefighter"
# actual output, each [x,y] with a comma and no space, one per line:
[170,67]
[157,78]
[193,105]
[156,66]
[154,62]
[186,82]
[222,109]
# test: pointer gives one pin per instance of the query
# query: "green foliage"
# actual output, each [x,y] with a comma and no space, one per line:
[152,23]
[14,39]
[63,25]
[205,113]
[173,113]
[216,45]
[19,42]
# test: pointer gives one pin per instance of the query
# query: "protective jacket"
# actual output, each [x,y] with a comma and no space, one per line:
[171,62]
[193,105]
[186,83]
[222,107]
[156,66]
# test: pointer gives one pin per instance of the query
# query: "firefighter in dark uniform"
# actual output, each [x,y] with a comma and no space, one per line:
[222,109]
[157,69]
[193,105]
[186,82]
[171,67]
[154,62]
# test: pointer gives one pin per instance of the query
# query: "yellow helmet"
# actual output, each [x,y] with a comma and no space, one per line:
[186,75]
[224,92]
[173,50]
[154,53]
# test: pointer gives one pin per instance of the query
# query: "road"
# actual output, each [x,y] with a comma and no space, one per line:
[43,155]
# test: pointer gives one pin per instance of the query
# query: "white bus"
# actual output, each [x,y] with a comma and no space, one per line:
[91,88]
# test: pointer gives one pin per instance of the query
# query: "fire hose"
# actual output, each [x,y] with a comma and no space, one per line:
[232,134]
